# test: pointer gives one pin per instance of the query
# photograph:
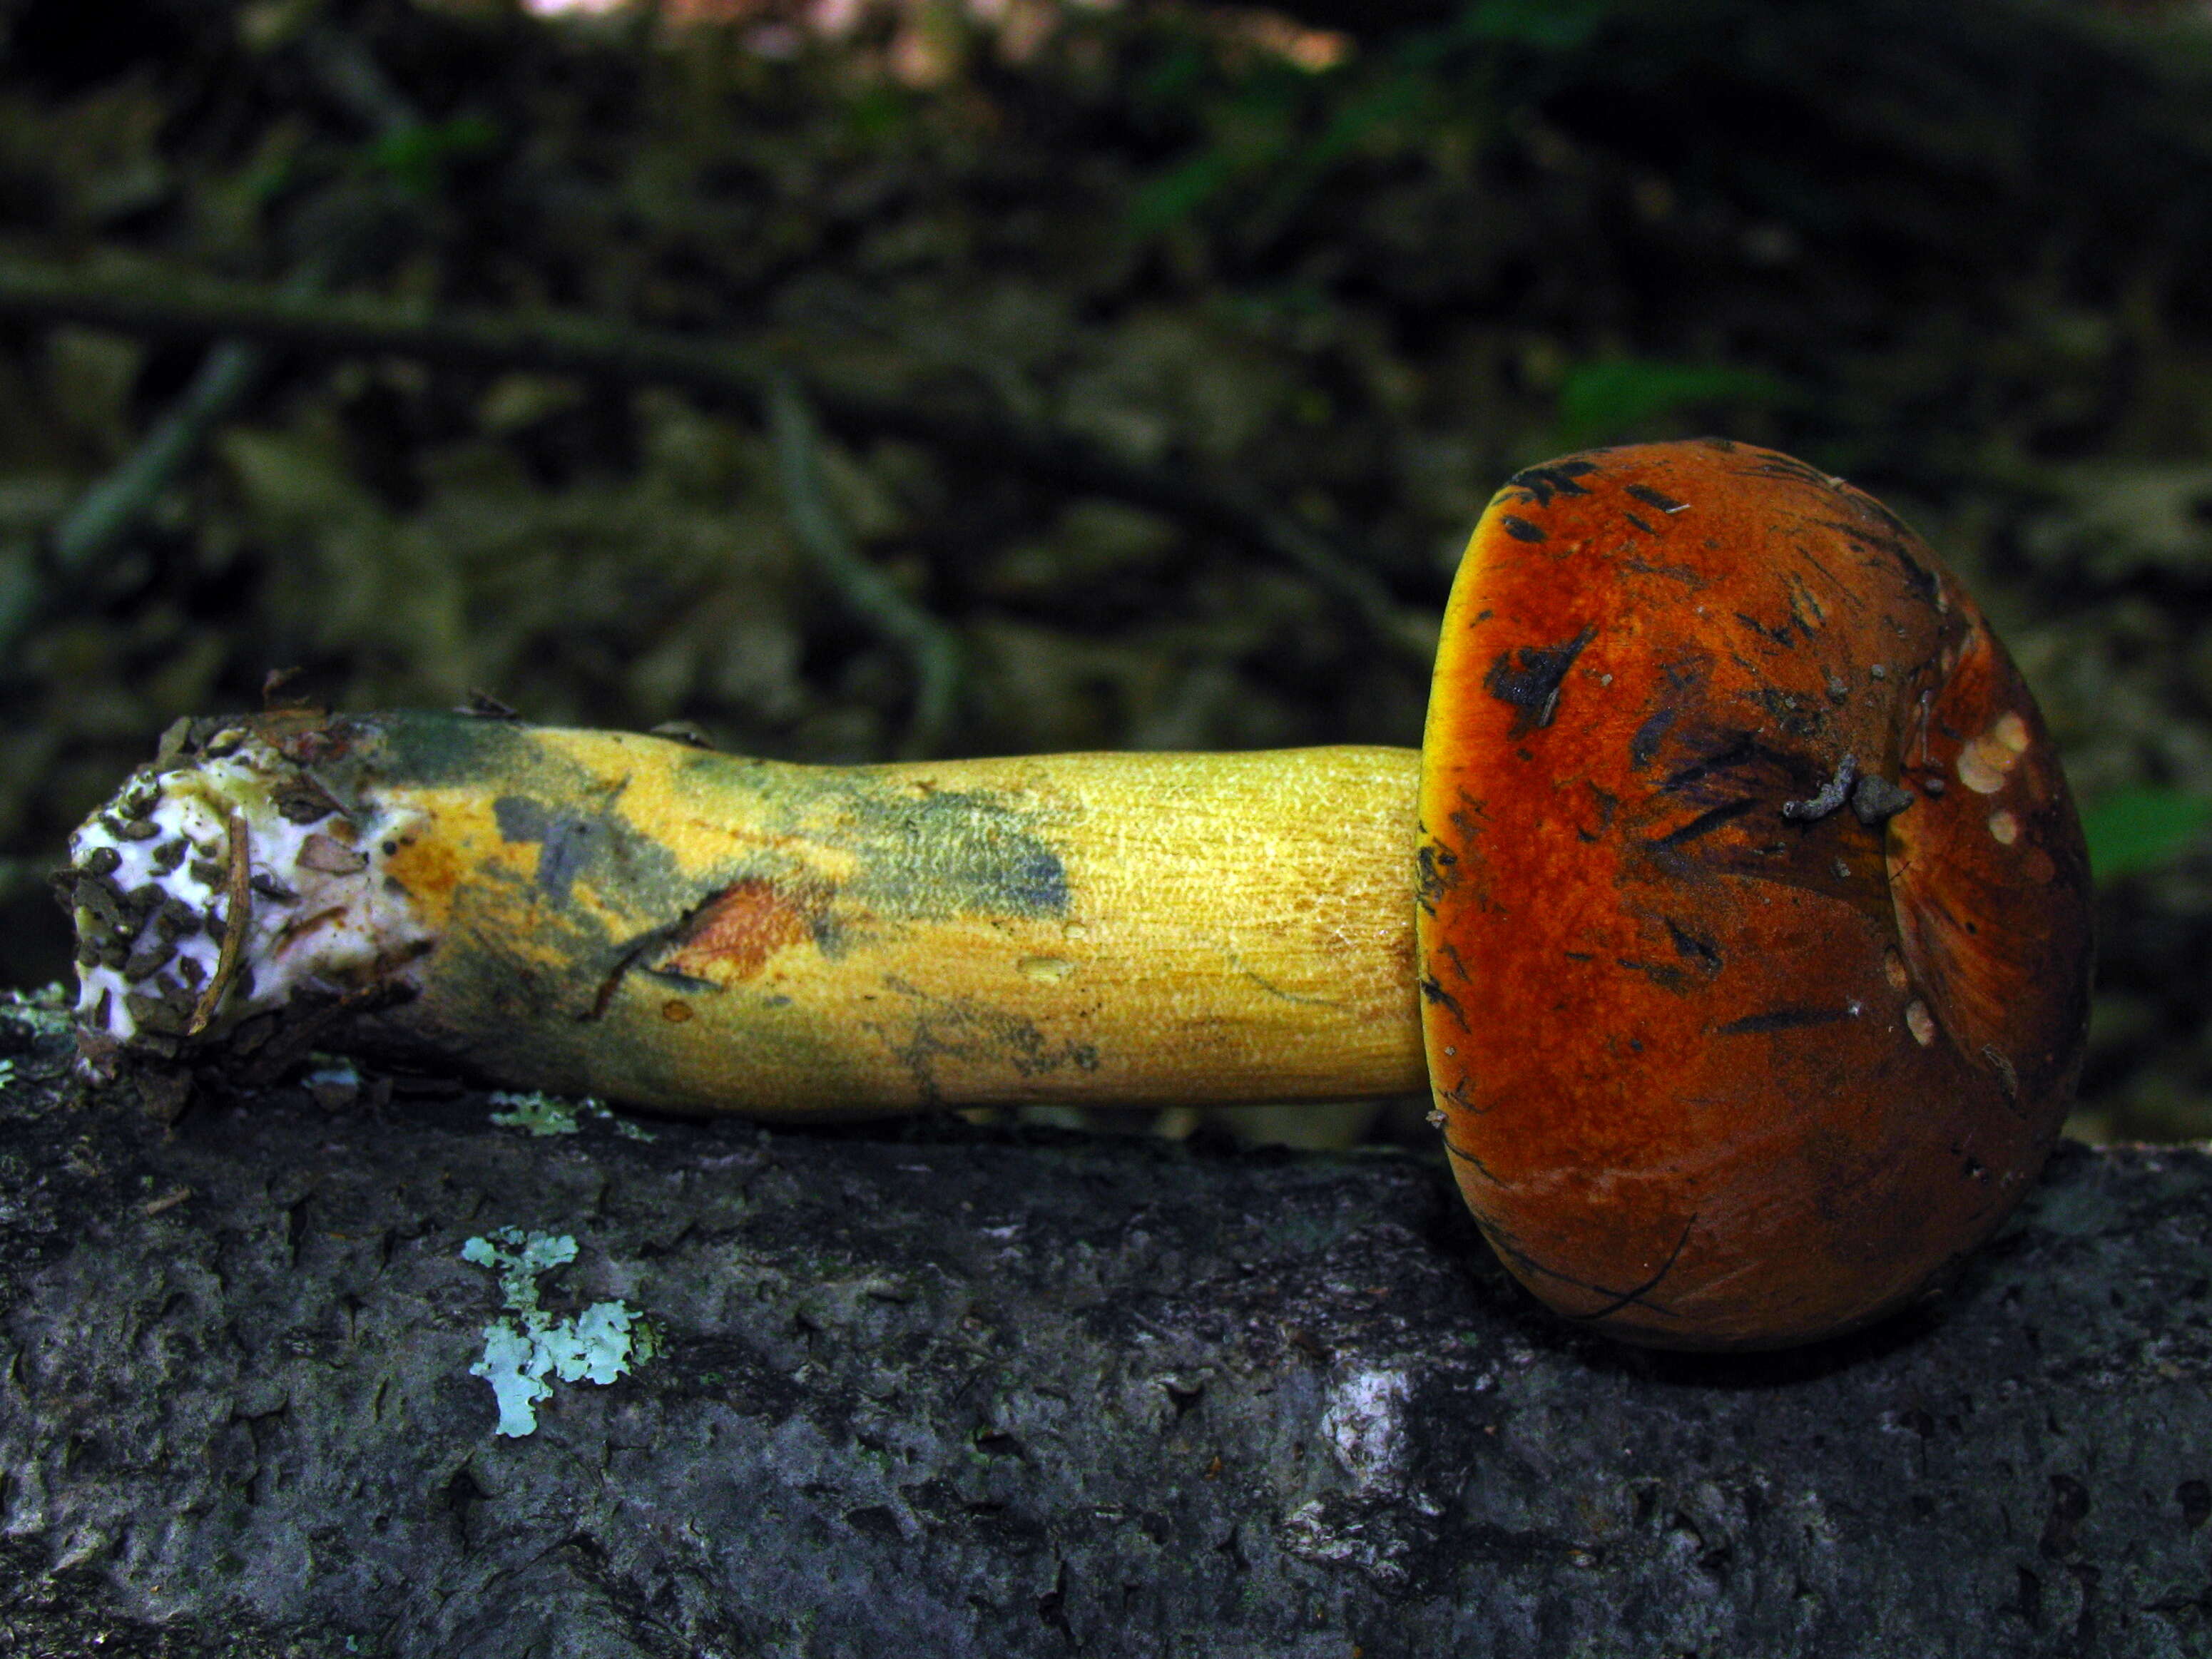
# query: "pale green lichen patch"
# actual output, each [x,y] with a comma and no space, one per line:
[541,1114]
[332,1070]
[48,1010]
[48,1015]
[520,1355]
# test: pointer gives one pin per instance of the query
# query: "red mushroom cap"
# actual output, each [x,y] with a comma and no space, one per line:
[1754,911]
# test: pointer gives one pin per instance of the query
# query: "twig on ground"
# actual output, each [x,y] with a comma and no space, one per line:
[934,648]
[118,502]
[163,304]
[114,505]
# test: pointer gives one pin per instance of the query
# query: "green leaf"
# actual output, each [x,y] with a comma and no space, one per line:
[2135,830]
[880,113]
[1177,196]
[1545,25]
[418,158]
[1610,398]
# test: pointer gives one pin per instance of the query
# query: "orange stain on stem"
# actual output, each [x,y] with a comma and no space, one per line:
[736,932]
[428,869]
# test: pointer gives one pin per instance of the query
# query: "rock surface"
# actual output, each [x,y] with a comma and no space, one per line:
[932,1391]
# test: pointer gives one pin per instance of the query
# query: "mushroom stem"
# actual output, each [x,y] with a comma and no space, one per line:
[600,912]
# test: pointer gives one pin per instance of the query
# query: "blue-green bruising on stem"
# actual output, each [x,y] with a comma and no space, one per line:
[598,1345]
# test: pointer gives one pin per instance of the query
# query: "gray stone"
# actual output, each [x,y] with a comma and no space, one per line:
[927,1391]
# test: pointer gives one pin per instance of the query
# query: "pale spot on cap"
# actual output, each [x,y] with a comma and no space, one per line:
[1984,763]
[1976,772]
[1921,1022]
[2004,827]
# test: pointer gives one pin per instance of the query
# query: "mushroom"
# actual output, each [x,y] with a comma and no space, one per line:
[1735,910]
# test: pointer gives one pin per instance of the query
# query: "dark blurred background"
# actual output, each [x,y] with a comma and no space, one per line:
[875,376]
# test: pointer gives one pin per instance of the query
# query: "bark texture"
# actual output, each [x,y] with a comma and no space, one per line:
[935,1392]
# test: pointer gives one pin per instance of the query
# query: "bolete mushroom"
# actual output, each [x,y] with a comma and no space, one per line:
[1752,934]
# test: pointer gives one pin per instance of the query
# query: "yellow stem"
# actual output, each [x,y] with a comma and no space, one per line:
[626,916]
